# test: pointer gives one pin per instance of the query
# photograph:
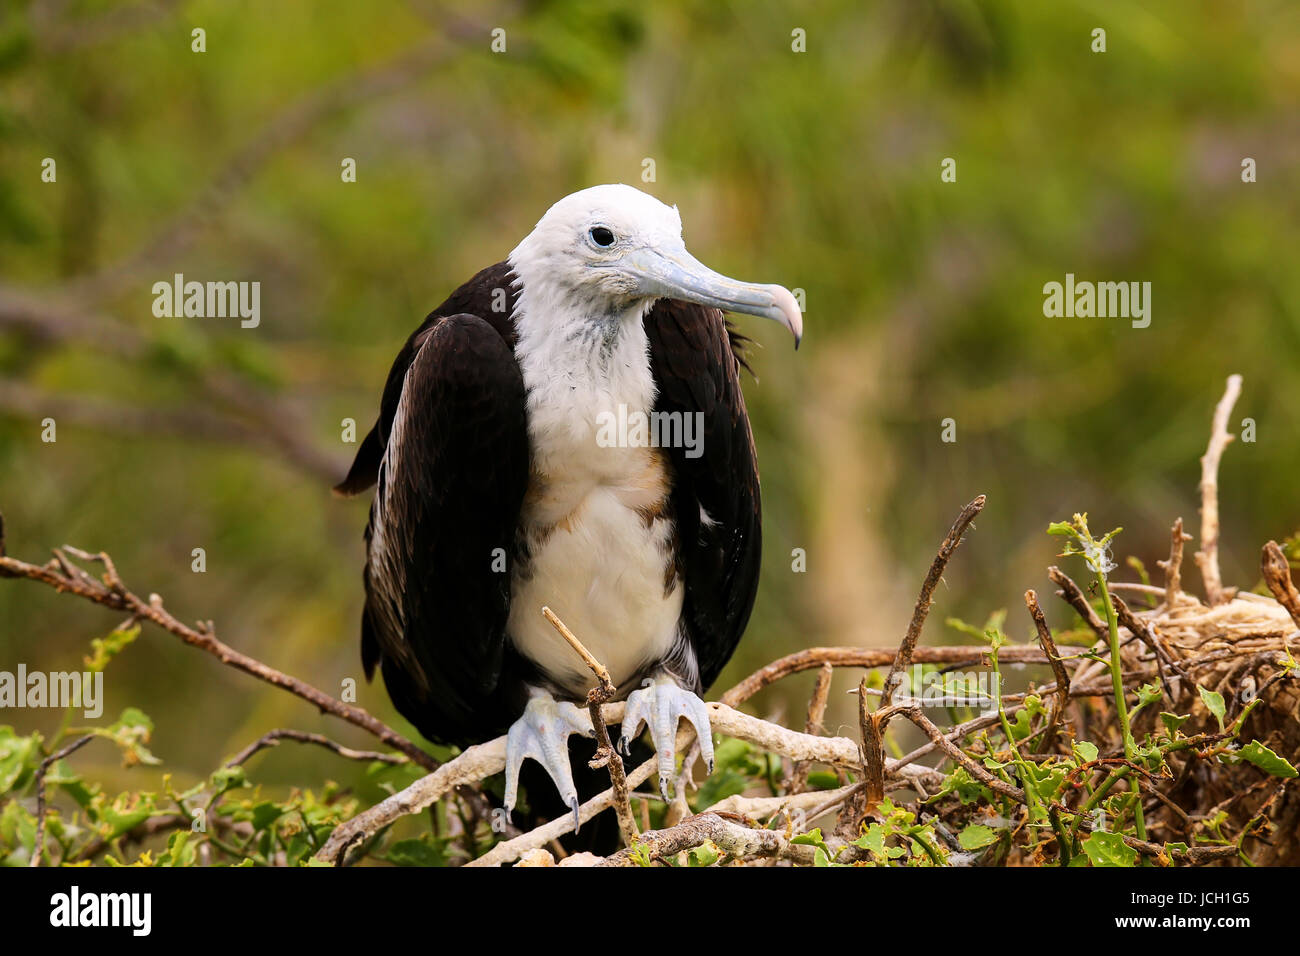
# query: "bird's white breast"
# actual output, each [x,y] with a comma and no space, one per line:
[597,528]
[605,568]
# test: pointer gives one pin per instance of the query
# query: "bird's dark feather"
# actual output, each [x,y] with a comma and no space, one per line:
[436,611]
[697,369]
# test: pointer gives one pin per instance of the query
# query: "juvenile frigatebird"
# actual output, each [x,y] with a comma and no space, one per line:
[502,488]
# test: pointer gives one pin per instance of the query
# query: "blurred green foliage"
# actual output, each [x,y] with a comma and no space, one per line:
[819,170]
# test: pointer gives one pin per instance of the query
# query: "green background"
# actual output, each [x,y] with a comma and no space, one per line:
[819,170]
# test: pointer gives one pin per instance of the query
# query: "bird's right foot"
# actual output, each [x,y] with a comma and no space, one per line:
[543,734]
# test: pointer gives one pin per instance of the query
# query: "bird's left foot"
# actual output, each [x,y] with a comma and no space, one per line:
[661,702]
[542,733]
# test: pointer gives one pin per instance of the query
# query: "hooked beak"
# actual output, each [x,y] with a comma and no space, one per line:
[677,274]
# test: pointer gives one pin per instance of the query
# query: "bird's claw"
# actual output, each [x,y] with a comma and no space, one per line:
[542,733]
[661,703]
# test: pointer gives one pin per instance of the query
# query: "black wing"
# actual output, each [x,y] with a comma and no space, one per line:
[696,363]
[491,297]
[450,457]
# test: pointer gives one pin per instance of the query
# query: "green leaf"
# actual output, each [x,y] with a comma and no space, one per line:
[104,649]
[179,852]
[997,640]
[228,778]
[17,831]
[1045,780]
[705,855]
[873,840]
[1148,694]
[811,838]
[1172,722]
[1086,751]
[126,812]
[823,780]
[1061,528]
[1214,703]
[965,787]
[1263,758]
[266,813]
[416,853]
[1108,849]
[1022,725]
[735,767]
[130,732]
[977,836]
[18,756]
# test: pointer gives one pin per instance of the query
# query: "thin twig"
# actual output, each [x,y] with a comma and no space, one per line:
[1075,598]
[273,738]
[1147,636]
[1058,670]
[1277,575]
[606,755]
[867,657]
[113,594]
[973,767]
[903,659]
[1207,558]
[38,848]
[1174,566]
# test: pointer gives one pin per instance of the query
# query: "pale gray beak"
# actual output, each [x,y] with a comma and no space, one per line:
[676,274]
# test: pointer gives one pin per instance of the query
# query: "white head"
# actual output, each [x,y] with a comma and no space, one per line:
[604,255]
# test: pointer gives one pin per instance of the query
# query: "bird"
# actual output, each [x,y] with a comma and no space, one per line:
[507,479]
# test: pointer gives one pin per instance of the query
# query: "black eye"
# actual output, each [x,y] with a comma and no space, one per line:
[601,236]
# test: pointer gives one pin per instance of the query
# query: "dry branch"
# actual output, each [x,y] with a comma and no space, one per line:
[112,593]
[272,739]
[1207,558]
[903,659]
[484,760]
[1173,567]
[733,838]
[1073,596]
[606,755]
[1277,575]
[867,657]
[1058,669]
[38,849]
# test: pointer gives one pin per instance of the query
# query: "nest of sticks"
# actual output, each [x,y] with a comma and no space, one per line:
[1235,643]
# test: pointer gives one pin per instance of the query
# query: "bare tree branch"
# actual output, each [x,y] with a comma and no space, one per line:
[903,659]
[112,593]
[1207,558]
[1058,669]
[38,849]
[606,755]
[272,739]
[1174,566]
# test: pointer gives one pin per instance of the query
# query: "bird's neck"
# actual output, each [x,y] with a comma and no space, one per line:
[581,360]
